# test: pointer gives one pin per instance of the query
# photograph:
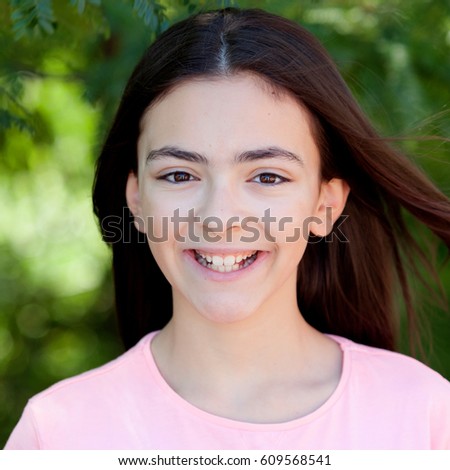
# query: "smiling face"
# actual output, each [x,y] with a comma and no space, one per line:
[229,186]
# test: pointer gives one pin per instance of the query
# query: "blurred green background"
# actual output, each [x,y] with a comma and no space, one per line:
[63,65]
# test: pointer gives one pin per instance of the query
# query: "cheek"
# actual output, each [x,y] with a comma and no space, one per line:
[156,220]
[163,254]
[166,217]
[288,231]
[290,222]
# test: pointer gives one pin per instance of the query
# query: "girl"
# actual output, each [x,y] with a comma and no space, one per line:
[266,248]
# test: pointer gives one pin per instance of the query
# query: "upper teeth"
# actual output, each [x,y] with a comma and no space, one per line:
[228,260]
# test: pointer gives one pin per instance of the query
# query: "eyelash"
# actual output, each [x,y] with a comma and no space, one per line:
[281,179]
[171,178]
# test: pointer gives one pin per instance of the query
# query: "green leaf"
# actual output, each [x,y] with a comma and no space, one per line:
[152,13]
[9,120]
[47,26]
[79,4]
[29,16]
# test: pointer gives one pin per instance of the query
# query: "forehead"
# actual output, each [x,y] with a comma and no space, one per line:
[226,114]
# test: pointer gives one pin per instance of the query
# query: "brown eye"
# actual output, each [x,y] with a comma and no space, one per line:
[269,179]
[180,176]
[177,177]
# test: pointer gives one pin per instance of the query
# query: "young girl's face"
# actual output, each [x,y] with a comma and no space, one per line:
[229,187]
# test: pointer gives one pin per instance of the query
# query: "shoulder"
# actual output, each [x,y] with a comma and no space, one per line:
[89,402]
[371,362]
[387,400]
[120,373]
[398,388]
[367,363]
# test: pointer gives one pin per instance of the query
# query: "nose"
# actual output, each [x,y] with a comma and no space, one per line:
[221,210]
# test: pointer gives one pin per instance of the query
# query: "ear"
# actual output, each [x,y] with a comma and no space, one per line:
[133,198]
[332,200]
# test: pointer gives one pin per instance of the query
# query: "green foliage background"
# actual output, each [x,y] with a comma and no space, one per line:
[63,65]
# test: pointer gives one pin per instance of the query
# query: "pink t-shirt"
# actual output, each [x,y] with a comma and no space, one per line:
[384,400]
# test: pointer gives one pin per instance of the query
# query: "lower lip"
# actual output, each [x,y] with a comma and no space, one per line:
[232,275]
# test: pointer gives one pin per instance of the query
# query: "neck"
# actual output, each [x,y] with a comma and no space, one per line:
[223,367]
[269,336]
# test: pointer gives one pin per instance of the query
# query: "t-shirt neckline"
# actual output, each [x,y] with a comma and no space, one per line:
[197,413]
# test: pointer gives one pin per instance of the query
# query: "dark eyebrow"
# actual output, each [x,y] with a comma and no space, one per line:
[248,156]
[176,152]
[269,152]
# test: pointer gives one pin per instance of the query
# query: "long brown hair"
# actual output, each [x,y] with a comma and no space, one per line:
[347,289]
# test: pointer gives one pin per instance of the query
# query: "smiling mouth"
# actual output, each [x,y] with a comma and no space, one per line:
[228,263]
